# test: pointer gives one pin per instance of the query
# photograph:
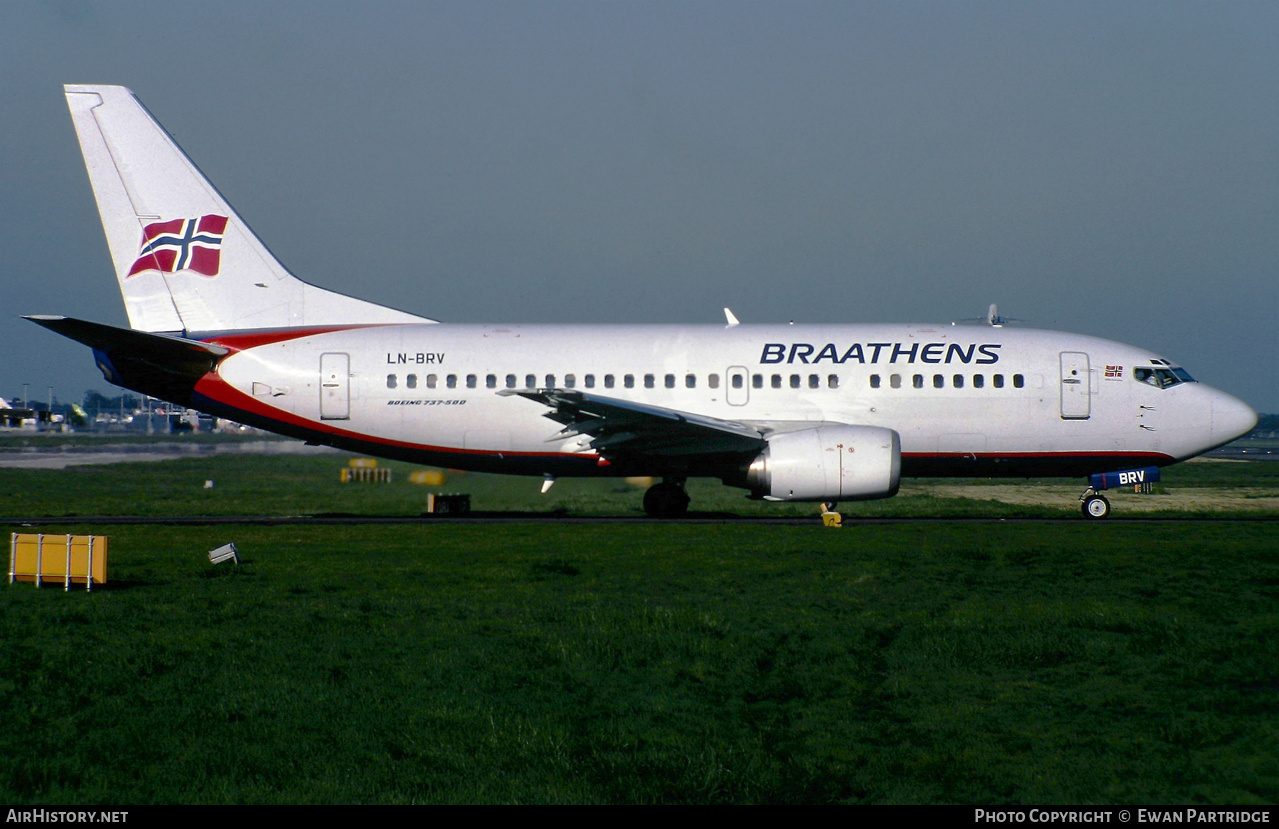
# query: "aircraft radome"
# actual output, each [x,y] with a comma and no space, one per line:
[821,413]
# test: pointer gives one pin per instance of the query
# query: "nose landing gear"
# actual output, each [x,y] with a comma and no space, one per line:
[1094,504]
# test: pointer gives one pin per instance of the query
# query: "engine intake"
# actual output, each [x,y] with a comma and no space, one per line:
[829,463]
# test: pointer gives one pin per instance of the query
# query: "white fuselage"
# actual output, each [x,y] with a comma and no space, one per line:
[964,399]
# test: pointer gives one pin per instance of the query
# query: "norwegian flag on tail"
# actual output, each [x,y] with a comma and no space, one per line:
[182,245]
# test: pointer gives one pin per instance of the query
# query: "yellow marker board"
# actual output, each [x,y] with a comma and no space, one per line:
[40,557]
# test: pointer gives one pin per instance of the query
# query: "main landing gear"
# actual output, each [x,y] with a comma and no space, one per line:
[1094,504]
[667,499]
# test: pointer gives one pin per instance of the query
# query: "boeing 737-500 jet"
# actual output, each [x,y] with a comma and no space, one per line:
[820,413]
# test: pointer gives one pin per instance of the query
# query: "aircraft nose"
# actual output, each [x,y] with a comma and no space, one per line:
[1231,418]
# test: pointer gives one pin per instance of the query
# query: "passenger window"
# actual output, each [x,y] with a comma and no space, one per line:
[590,381]
[958,381]
[814,382]
[794,381]
[874,381]
[650,381]
[979,381]
[530,381]
[608,381]
[510,381]
[451,382]
[777,381]
[570,381]
[390,381]
[939,382]
[757,381]
[490,381]
[471,381]
[737,381]
[832,382]
[550,381]
[432,380]
[895,381]
[629,381]
[411,381]
[713,381]
[690,381]
[918,381]
[1019,381]
[999,381]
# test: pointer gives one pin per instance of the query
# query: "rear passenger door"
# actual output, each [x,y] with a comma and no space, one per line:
[335,386]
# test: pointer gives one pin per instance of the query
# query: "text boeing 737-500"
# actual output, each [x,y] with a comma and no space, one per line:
[788,412]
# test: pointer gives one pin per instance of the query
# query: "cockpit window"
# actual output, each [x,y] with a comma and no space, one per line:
[1162,378]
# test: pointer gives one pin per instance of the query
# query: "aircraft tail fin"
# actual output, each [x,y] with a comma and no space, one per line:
[184,258]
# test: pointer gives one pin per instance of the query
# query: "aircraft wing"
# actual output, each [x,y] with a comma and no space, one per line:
[623,427]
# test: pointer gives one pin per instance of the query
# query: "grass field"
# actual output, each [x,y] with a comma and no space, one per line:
[308,485]
[915,663]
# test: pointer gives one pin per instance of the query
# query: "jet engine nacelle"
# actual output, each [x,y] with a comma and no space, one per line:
[829,463]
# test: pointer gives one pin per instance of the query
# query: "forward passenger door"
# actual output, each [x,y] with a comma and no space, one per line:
[1076,386]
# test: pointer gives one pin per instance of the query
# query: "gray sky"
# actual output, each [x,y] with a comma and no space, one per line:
[1104,168]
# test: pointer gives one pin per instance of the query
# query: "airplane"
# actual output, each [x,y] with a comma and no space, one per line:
[810,413]
[992,318]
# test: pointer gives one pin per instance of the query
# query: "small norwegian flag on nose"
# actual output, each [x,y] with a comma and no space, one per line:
[182,245]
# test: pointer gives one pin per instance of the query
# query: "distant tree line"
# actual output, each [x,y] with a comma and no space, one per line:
[96,402]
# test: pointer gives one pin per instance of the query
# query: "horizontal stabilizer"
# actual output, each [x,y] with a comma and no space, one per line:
[102,337]
[160,365]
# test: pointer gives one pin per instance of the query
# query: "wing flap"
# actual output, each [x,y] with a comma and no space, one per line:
[618,427]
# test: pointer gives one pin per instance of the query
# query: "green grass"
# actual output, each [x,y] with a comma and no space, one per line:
[885,664]
[308,485]
[917,663]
